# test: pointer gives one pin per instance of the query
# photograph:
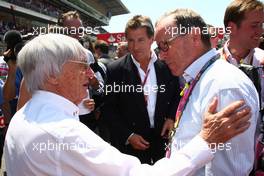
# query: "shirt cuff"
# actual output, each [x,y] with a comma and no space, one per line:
[129,138]
[198,151]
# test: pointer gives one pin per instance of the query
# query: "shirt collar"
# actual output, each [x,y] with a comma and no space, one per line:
[226,52]
[191,71]
[228,56]
[57,101]
[153,59]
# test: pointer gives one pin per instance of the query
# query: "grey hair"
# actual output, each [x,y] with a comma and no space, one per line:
[45,55]
[187,19]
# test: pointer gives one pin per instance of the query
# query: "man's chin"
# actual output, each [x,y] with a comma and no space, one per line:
[174,72]
[84,95]
[81,97]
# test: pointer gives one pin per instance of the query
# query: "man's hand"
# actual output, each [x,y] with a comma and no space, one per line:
[89,104]
[168,125]
[138,142]
[93,82]
[261,61]
[229,122]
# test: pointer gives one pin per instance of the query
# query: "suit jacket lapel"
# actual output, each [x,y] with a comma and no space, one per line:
[160,81]
[133,78]
[133,75]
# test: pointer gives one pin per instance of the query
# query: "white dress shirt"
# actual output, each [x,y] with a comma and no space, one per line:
[150,85]
[45,137]
[257,55]
[221,79]
[82,108]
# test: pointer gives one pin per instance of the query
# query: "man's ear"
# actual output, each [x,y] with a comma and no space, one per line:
[52,80]
[152,39]
[196,36]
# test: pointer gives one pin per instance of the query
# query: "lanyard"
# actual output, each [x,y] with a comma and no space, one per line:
[145,79]
[143,85]
[184,100]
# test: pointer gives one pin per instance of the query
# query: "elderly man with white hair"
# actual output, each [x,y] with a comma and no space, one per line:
[45,137]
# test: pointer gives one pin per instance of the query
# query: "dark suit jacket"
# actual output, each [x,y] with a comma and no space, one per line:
[126,112]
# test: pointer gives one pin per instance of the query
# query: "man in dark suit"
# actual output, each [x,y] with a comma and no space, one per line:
[141,96]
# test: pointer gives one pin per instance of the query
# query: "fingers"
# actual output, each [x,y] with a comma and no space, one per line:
[235,131]
[138,142]
[144,142]
[89,102]
[163,131]
[234,125]
[212,106]
[227,123]
[262,61]
[232,108]
[242,121]
[168,125]
[240,115]
[242,128]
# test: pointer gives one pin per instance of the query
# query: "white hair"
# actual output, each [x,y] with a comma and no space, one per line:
[45,55]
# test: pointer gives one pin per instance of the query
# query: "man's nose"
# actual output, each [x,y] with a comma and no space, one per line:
[135,46]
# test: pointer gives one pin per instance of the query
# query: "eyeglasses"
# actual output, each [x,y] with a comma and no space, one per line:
[85,68]
[83,63]
[165,45]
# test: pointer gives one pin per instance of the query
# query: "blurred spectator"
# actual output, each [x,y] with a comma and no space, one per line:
[13,39]
[41,6]
[89,45]
[71,22]
[101,52]
[10,78]
[215,36]
[2,125]
[122,49]
[3,69]
[245,33]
